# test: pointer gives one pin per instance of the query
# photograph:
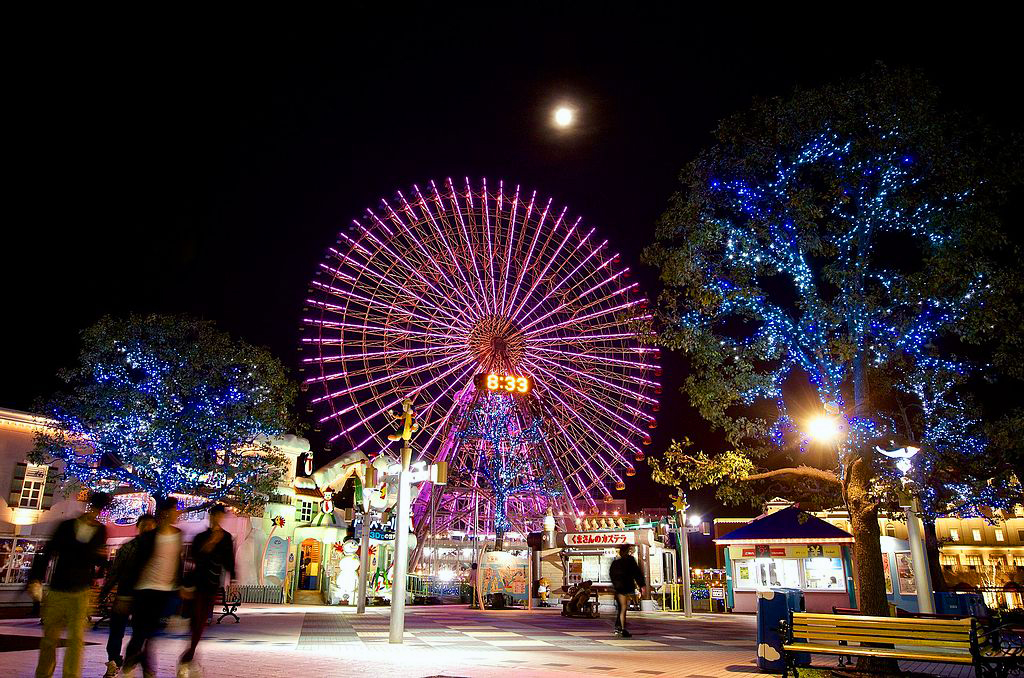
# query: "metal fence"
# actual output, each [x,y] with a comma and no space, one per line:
[261,594]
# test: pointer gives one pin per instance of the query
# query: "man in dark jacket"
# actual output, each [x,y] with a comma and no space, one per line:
[118,576]
[78,544]
[213,552]
[626,577]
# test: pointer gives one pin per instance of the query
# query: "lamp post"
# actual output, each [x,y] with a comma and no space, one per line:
[409,427]
[911,505]
[684,551]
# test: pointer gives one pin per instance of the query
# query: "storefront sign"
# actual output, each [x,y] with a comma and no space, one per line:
[609,539]
[786,551]
[717,593]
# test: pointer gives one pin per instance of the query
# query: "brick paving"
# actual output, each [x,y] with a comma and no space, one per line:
[296,641]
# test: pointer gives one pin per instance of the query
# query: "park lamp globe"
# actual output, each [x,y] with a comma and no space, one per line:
[823,428]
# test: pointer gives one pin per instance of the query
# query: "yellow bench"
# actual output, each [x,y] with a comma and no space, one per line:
[948,641]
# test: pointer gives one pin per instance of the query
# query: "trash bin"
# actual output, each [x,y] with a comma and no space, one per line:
[946,602]
[773,607]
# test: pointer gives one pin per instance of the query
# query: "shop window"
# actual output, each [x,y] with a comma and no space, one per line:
[16,556]
[973,562]
[949,562]
[999,535]
[763,573]
[824,574]
[976,534]
[954,534]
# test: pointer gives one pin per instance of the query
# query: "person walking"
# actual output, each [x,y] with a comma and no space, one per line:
[78,545]
[118,575]
[627,578]
[156,573]
[213,553]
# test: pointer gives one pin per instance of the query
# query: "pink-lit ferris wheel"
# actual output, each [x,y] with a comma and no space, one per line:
[446,285]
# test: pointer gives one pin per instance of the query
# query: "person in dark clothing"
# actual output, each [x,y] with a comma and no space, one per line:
[155,575]
[213,552]
[117,576]
[627,578]
[78,546]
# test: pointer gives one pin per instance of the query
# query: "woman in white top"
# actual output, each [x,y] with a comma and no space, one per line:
[158,568]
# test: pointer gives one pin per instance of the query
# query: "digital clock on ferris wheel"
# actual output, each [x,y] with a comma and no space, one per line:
[507,383]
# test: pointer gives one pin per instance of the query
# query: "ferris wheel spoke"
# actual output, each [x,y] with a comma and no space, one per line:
[471,250]
[576,320]
[390,376]
[390,281]
[578,375]
[511,239]
[526,263]
[595,357]
[451,255]
[595,372]
[490,238]
[392,403]
[570,440]
[548,260]
[427,257]
[614,420]
[565,278]
[578,307]
[375,304]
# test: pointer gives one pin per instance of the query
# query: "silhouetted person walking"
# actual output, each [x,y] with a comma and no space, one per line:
[120,575]
[627,578]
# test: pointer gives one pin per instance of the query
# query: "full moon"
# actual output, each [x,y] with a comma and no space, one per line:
[564,116]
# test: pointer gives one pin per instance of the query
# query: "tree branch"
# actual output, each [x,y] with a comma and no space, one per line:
[801,471]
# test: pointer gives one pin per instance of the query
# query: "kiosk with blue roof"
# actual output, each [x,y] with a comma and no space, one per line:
[789,548]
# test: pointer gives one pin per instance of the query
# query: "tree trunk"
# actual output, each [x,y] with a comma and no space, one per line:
[867,551]
[931,545]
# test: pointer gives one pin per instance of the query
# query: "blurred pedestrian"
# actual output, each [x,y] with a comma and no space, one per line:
[213,553]
[78,545]
[120,576]
[627,578]
[156,573]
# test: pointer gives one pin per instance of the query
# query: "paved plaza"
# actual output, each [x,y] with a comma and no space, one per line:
[293,641]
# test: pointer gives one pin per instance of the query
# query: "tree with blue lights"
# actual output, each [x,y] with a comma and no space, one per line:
[504,459]
[168,404]
[834,254]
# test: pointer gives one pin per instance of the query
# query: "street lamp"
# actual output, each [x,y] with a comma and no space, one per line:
[912,506]
[824,428]
[684,548]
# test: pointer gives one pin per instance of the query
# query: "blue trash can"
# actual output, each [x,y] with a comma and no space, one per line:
[773,607]
[946,602]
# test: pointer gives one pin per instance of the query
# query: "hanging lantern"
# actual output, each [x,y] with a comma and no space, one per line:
[631,471]
[639,456]
[620,486]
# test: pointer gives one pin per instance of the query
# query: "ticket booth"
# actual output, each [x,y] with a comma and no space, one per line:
[793,549]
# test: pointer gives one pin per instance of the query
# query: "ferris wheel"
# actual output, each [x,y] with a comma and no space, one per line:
[447,294]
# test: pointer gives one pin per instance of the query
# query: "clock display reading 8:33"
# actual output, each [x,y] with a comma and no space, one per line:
[509,383]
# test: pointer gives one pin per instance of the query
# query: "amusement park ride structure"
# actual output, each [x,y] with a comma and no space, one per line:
[515,332]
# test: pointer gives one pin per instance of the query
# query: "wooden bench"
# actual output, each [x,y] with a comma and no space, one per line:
[947,641]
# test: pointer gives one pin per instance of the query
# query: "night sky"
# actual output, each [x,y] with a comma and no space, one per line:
[196,165]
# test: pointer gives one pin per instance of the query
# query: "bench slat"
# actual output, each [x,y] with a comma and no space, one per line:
[853,651]
[802,630]
[880,639]
[892,622]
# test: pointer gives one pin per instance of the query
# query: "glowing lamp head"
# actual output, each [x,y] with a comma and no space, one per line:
[564,117]
[823,428]
[695,521]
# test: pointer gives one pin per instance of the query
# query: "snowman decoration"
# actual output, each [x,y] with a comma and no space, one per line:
[348,568]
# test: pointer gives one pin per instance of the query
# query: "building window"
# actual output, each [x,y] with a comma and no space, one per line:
[305,511]
[999,535]
[949,562]
[954,534]
[890,530]
[1018,562]
[33,486]
[1020,536]
[976,534]
[973,562]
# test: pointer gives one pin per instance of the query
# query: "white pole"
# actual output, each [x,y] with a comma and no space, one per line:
[401,558]
[922,574]
[364,563]
[685,552]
